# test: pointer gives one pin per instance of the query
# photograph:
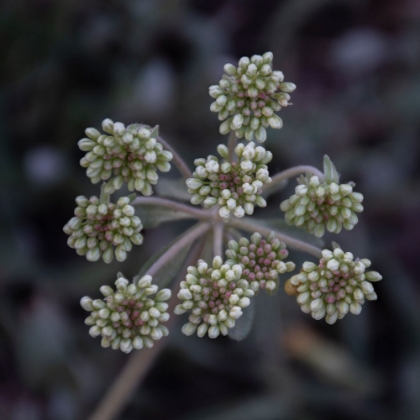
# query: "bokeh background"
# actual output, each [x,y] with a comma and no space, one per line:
[68,64]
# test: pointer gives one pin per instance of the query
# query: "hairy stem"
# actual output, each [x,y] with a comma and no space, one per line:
[250,226]
[232,142]
[218,229]
[195,212]
[177,159]
[291,172]
[198,230]
[140,362]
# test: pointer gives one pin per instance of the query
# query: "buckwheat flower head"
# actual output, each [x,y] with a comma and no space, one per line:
[130,155]
[97,228]
[129,317]
[235,186]
[248,97]
[215,296]
[338,285]
[320,205]
[261,260]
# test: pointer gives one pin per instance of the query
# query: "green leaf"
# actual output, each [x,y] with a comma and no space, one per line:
[243,325]
[335,245]
[173,188]
[132,197]
[155,132]
[330,172]
[169,270]
[153,215]
[280,225]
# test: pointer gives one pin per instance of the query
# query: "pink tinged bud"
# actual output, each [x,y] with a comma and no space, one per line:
[330,298]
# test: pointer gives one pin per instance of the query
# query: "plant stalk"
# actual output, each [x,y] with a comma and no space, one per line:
[291,172]
[177,159]
[195,212]
[199,230]
[232,142]
[218,229]
[140,362]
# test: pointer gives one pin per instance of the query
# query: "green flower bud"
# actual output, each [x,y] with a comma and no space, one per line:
[124,156]
[334,287]
[94,232]
[319,205]
[248,96]
[130,318]
[235,186]
[215,296]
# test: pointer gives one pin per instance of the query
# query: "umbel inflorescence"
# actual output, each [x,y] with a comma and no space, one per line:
[261,260]
[100,228]
[235,186]
[248,97]
[215,296]
[320,205]
[337,285]
[124,155]
[131,316]
[225,190]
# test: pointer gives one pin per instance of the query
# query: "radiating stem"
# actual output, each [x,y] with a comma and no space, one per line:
[291,172]
[250,226]
[198,230]
[196,212]
[104,197]
[218,239]
[232,142]
[177,159]
[141,361]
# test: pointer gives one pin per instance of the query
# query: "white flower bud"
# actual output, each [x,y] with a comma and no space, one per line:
[373,276]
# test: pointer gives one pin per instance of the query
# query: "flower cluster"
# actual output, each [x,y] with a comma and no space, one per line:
[261,260]
[215,296]
[125,154]
[129,317]
[235,186]
[98,227]
[318,205]
[337,285]
[248,96]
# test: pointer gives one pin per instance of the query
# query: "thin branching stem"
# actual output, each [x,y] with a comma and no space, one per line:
[232,142]
[140,362]
[218,229]
[250,226]
[198,230]
[291,172]
[177,159]
[195,212]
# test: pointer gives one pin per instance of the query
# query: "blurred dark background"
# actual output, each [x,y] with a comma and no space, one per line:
[66,65]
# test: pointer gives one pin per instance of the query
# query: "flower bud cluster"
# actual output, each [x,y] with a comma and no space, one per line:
[215,296]
[235,186]
[98,227]
[129,317]
[248,97]
[130,155]
[318,206]
[261,260]
[338,285]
